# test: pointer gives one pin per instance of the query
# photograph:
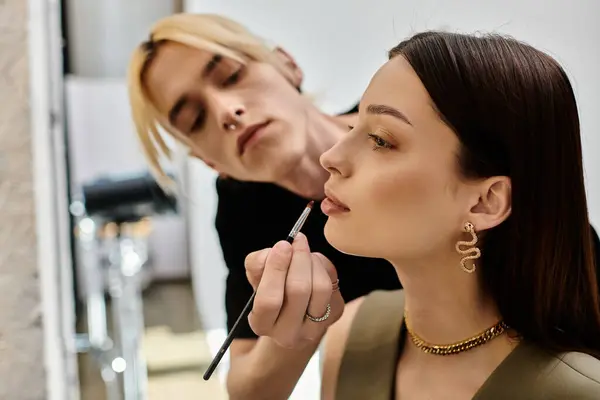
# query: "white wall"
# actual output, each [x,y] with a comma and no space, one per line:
[102,34]
[340,44]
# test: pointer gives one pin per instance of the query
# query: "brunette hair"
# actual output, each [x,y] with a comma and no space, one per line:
[514,111]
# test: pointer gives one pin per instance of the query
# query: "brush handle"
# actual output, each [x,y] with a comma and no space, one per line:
[231,336]
[229,339]
[248,306]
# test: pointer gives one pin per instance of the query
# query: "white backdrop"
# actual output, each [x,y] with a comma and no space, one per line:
[102,34]
[340,44]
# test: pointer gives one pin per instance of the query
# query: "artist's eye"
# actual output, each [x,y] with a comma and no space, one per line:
[235,77]
[379,143]
[199,121]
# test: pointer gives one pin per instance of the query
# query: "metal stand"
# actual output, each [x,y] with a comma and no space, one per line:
[113,256]
[112,237]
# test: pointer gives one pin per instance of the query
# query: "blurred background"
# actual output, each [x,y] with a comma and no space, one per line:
[109,288]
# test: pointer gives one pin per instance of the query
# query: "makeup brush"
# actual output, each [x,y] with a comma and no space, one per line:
[290,238]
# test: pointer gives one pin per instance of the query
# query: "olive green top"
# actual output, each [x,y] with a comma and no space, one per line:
[368,367]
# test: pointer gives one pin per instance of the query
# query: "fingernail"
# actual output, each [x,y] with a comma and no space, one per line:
[301,242]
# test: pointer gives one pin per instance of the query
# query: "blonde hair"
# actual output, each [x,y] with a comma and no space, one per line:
[208,32]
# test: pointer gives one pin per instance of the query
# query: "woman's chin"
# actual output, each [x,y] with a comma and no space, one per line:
[344,242]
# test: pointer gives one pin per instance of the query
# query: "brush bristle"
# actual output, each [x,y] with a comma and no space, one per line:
[310,204]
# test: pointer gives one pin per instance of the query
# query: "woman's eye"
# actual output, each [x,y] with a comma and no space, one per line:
[379,143]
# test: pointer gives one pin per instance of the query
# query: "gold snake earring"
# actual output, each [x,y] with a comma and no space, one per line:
[470,251]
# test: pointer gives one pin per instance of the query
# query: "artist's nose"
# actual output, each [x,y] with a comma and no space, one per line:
[232,117]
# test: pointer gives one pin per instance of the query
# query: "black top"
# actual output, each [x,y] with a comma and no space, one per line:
[252,216]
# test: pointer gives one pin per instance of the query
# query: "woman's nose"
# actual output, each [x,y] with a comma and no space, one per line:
[334,161]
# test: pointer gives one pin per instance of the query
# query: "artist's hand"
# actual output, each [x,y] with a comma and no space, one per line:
[290,281]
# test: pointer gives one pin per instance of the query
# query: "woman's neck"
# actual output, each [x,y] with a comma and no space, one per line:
[444,304]
[309,177]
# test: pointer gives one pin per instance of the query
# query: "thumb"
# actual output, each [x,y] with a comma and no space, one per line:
[300,243]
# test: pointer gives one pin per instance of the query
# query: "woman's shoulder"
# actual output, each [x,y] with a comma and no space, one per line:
[381,301]
[536,373]
[370,306]
[334,347]
[357,325]
[574,375]
[337,334]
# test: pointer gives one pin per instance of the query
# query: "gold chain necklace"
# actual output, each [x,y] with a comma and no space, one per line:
[458,347]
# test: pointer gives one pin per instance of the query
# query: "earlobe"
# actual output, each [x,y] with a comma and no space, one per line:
[494,204]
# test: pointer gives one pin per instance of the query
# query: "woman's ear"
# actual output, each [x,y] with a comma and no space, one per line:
[289,62]
[493,203]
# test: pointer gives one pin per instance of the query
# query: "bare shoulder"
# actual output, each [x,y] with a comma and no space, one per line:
[334,345]
[337,334]
[575,376]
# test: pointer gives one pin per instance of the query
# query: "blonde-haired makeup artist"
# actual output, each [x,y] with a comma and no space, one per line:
[235,103]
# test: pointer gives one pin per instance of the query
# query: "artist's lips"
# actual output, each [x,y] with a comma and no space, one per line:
[249,136]
[331,205]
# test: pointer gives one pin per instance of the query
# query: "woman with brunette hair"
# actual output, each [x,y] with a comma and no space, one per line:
[445,175]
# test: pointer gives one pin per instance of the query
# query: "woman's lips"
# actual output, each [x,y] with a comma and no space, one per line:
[331,205]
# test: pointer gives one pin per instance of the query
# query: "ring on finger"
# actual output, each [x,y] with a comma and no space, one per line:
[335,286]
[322,318]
